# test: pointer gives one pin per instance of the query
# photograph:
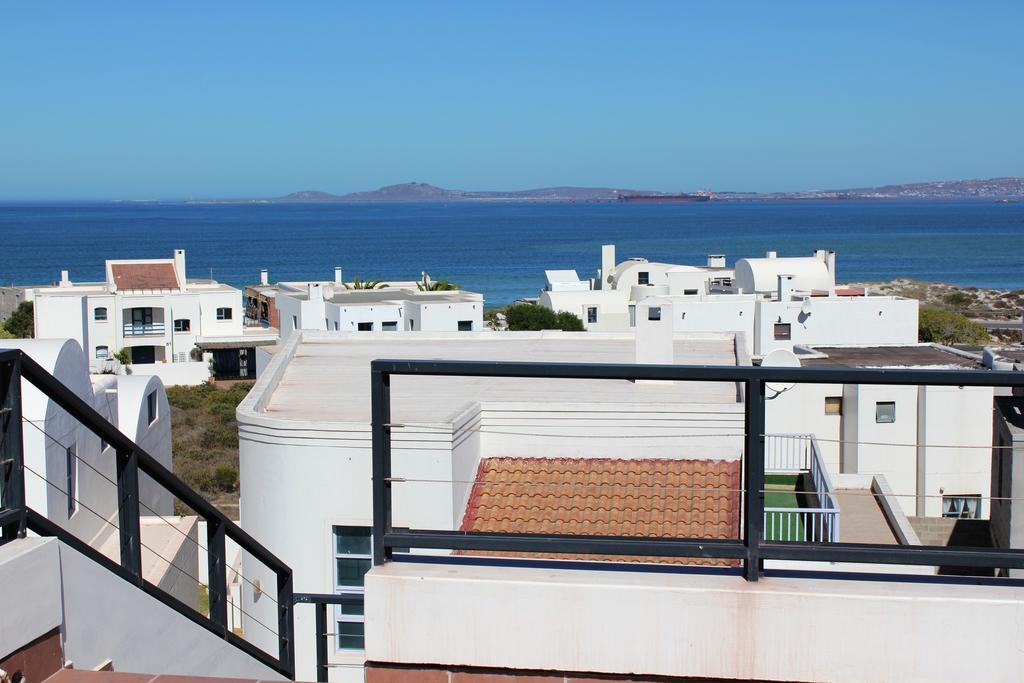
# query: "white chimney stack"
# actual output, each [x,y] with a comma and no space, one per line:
[65,281]
[179,268]
[785,287]
[337,275]
[607,264]
[654,331]
[264,277]
[716,260]
[771,254]
[315,293]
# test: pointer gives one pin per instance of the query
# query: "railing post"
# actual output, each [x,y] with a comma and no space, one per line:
[12,451]
[286,620]
[753,476]
[380,402]
[321,642]
[217,586]
[128,524]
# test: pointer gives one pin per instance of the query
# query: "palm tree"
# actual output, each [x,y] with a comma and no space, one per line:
[428,285]
[358,283]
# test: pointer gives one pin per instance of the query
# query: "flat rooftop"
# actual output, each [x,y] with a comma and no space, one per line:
[328,377]
[905,356]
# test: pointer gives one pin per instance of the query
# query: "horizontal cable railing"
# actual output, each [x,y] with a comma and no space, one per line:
[797,534]
[17,517]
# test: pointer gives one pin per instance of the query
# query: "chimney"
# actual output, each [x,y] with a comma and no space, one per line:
[607,264]
[264,277]
[716,260]
[785,287]
[65,281]
[830,261]
[337,275]
[654,330]
[315,293]
[771,254]
[179,268]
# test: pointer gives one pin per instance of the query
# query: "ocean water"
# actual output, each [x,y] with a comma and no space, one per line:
[502,249]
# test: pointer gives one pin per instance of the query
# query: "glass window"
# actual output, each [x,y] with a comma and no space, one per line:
[151,407]
[352,559]
[689,292]
[465,326]
[963,507]
[591,314]
[99,313]
[833,405]
[632,315]
[102,352]
[182,325]
[392,326]
[885,412]
[654,313]
[783,331]
[224,313]
[643,278]
[364,327]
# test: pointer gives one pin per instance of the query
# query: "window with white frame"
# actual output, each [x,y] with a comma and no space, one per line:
[591,314]
[102,352]
[392,325]
[182,325]
[353,557]
[654,313]
[885,412]
[224,313]
[643,278]
[961,507]
[151,407]
[99,313]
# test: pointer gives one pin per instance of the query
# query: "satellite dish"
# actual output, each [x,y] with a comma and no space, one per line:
[780,358]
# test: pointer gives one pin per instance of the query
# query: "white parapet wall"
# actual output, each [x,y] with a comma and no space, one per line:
[174,374]
[692,625]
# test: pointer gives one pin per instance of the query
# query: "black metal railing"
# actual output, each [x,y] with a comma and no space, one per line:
[752,549]
[17,517]
[323,637]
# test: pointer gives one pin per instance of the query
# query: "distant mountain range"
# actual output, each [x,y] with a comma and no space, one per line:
[990,188]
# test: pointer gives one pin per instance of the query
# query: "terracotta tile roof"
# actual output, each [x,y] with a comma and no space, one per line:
[606,497]
[144,276]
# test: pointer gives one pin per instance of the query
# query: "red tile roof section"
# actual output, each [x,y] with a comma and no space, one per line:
[666,498]
[144,276]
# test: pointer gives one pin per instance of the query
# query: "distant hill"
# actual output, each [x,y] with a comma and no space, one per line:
[990,188]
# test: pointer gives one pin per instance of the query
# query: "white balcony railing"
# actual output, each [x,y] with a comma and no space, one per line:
[797,454]
[142,329]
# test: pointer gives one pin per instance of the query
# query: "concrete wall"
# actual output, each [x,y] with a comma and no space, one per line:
[190,373]
[689,625]
[101,616]
[800,409]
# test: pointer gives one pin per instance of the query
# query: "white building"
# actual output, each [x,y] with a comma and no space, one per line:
[932,444]
[171,325]
[398,306]
[607,303]
[779,303]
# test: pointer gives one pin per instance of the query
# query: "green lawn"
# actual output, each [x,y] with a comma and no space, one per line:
[780,492]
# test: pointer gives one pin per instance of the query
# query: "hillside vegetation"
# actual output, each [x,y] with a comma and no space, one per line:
[206,440]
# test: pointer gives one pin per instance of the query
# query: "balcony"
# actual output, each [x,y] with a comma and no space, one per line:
[143,329]
[796,475]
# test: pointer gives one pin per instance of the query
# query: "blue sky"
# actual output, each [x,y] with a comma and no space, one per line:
[135,100]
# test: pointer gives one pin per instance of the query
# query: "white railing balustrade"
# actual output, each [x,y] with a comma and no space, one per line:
[796,454]
[142,329]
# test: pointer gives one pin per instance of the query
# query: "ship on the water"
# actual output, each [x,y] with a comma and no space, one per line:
[681,197]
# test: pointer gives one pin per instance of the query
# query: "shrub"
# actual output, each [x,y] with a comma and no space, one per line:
[21,324]
[958,300]
[534,317]
[225,478]
[946,327]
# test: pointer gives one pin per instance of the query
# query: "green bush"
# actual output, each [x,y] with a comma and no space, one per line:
[947,327]
[958,300]
[219,435]
[225,478]
[21,324]
[533,317]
